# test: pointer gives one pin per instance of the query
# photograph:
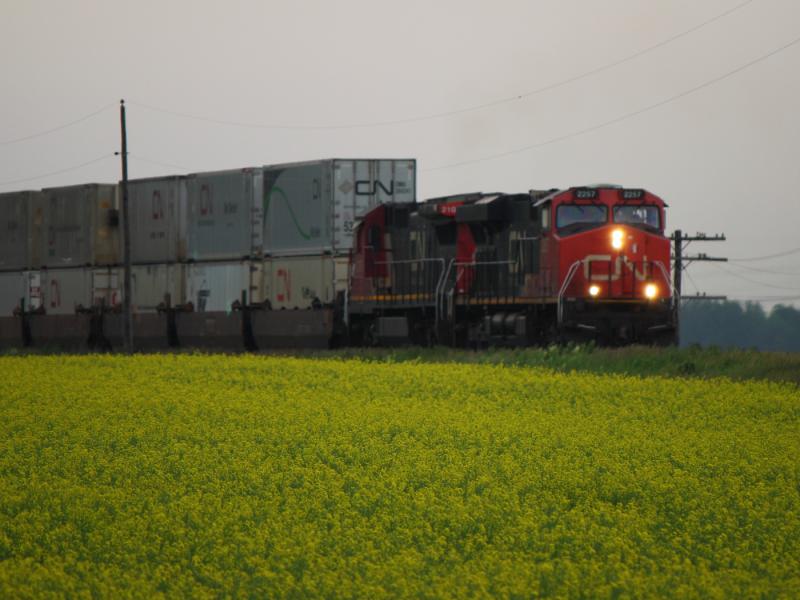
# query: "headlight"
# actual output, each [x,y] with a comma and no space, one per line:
[594,291]
[616,239]
[650,291]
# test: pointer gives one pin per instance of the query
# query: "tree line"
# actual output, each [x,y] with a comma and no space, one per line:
[733,324]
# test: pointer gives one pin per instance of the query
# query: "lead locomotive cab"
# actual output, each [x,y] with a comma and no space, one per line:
[608,247]
[513,269]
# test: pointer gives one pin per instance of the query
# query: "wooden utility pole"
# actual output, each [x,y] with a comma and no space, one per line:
[682,261]
[126,237]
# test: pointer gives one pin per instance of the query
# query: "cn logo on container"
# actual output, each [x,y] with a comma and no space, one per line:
[364,187]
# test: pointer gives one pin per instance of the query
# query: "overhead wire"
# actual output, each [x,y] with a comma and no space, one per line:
[768,271]
[624,117]
[58,172]
[766,257]
[459,111]
[55,129]
[761,283]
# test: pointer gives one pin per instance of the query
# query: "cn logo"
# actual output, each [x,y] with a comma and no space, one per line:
[284,278]
[364,187]
[620,263]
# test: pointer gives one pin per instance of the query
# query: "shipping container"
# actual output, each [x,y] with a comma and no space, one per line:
[224,217]
[14,240]
[12,291]
[304,281]
[75,226]
[157,209]
[61,291]
[311,208]
[214,287]
[156,285]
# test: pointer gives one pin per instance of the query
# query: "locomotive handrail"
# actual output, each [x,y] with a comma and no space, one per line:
[671,287]
[439,281]
[440,292]
[567,280]
[448,294]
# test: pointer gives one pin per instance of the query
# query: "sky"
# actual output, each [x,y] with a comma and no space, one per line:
[669,95]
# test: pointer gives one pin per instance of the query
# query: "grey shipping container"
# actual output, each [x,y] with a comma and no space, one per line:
[157,209]
[14,241]
[62,291]
[311,208]
[151,284]
[224,215]
[75,226]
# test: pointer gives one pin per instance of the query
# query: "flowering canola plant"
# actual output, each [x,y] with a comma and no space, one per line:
[219,476]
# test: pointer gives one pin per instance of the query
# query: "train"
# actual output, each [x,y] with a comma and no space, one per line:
[329,253]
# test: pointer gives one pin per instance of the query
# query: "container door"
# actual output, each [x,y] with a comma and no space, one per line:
[106,288]
[296,210]
[14,231]
[220,213]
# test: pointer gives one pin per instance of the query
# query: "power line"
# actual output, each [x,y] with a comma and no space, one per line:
[768,256]
[761,283]
[58,128]
[59,172]
[788,273]
[624,117]
[766,298]
[459,111]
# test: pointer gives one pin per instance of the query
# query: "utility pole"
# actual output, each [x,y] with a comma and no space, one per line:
[682,261]
[126,237]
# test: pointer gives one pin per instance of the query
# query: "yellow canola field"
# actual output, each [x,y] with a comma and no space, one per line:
[218,476]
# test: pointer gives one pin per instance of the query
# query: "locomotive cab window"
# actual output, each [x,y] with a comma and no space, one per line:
[572,218]
[643,215]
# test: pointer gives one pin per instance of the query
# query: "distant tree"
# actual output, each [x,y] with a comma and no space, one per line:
[731,324]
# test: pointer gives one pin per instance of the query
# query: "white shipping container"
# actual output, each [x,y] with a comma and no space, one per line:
[311,207]
[214,287]
[62,291]
[304,281]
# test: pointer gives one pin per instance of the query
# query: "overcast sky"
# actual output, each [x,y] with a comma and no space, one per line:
[725,158]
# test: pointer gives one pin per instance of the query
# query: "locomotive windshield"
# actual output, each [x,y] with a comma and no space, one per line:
[571,218]
[646,216]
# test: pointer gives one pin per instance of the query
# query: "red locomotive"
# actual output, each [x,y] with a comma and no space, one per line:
[587,263]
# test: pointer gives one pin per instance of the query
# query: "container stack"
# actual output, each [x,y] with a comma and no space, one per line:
[281,234]
[277,236]
[62,247]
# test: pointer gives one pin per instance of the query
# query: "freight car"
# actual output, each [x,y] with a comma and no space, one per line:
[332,252]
